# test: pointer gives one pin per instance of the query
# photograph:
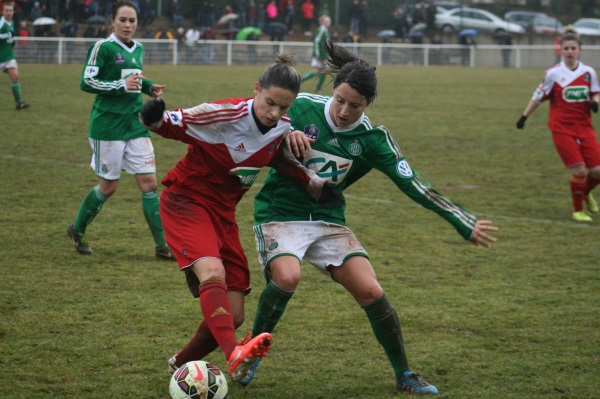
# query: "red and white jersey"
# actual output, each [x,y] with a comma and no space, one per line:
[225,154]
[569,92]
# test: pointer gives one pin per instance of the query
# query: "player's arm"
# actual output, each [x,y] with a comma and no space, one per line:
[541,94]
[169,124]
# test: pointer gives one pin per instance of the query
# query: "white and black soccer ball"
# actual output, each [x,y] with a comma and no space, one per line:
[198,380]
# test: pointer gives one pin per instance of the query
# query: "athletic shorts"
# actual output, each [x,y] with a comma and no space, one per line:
[135,156]
[575,151]
[319,243]
[10,64]
[316,63]
[194,232]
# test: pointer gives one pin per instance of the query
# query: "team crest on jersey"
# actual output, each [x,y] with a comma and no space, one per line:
[273,148]
[119,59]
[311,131]
[403,169]
[587,77]
[355,148]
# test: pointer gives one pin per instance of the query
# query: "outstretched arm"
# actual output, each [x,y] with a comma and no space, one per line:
[531,107]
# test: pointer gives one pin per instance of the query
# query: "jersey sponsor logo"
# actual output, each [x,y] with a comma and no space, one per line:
[90,72]
[119,59]
[403,168]
[355,148]
[240,148]
[311,131]
[327,166]
[246,175]
[127,72]
[575,94]
[175,117]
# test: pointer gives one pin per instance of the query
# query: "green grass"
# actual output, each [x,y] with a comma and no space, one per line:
[520,320]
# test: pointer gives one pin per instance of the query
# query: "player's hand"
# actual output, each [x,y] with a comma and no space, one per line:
[479,235]
[329,197]
[157,90]
[298,143]
[521,122]
[594,106]
[133,82]
[152,112]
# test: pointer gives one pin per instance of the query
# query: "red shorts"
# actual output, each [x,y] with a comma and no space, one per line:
[193,232]
[575,151]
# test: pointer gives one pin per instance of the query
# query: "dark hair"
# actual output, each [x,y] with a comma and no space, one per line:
[281,74]
[570,33]
[346,67]
[121,3]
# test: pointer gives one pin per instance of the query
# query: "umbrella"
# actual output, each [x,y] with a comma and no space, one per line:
[44,21]
[227,18]
[247,31]
[96,19]
[418,27]
[386,33]
[276,29]
[468,32]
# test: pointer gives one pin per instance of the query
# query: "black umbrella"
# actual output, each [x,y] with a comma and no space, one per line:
[276,29]
[96,19]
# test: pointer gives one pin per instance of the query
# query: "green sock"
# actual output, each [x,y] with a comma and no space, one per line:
[271,305]
[320,81]
[150,207]
[386,326]
[89,208]
[16,89]
[309,75]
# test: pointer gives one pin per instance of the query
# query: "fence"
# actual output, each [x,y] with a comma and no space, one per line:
[60,50]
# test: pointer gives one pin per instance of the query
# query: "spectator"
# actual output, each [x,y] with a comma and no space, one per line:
[504,39]
[354,16]
[401,23]
[192,36]
[271,12]
[308,14]
[206,14]
[165,34]
[180,37]
[363,25]
[467,41]
[176,14]
[252,13]
[208,48]
[36,12]
[147,13]
[430,18]
[287,9]
[69,30]
[101,32]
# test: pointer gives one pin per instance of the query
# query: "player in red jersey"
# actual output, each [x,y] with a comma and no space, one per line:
[573,90]
[229,141]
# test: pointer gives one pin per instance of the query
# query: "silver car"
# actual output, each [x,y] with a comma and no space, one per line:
[587,26]
[473,18]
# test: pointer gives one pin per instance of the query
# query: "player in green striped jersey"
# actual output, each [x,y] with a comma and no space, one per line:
[290,226]
[8,63]
[319,52]
[113,71]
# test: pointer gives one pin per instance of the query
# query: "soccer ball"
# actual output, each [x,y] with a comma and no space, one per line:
[198,380]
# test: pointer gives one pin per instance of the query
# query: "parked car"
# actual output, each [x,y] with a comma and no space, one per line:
[587,26]
[546,25]
[473,18]
[523,18]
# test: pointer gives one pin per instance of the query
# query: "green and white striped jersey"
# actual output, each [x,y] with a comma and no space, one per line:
[6,40]
[115,111]
[320,43]
[342,157]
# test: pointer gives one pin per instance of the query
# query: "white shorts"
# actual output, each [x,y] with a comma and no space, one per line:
[319,243]
[134,156]
[316,63]
[10,64]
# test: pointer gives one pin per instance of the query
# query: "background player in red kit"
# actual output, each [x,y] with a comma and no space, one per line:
[573,90]
[229,141]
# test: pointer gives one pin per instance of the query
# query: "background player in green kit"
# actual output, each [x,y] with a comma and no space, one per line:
[8,63]
[319,52]
[290,226]
[113,71]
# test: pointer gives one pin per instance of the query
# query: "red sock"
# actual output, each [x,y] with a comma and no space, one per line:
[200,346]
[217,314]
[592,182]
[578,191]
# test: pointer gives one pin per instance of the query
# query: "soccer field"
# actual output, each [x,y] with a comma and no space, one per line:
[520,320]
